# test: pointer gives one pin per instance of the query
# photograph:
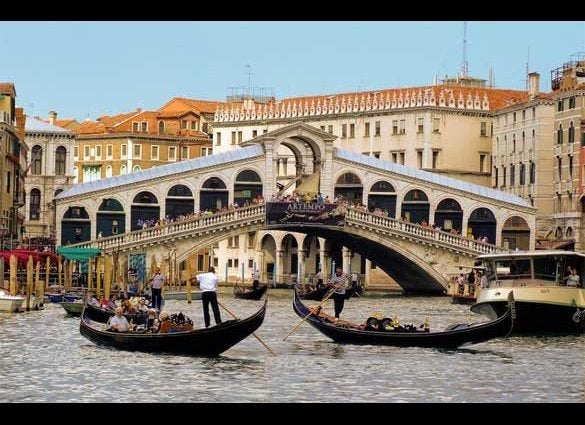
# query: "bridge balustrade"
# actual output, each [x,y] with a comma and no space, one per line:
[359,217]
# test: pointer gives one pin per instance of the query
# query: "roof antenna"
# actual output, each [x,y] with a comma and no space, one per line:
[464,64]
[527,67]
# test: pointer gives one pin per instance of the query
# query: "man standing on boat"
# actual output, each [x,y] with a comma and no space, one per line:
[208,285]
[255,279]
[338,283]
[157,281]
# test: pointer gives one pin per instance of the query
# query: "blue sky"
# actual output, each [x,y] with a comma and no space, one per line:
[89,69]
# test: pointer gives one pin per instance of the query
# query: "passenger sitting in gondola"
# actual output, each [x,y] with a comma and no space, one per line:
[164,322]
[152,323]
[112,302]
[127,307]
[118,323]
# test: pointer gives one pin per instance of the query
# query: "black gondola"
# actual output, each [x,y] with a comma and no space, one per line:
[250,294]
[309,292]
[452,337]
[210,341]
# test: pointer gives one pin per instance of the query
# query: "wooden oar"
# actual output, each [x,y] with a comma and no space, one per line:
[253,333]
[313,310]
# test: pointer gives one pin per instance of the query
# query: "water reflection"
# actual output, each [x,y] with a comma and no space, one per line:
[45,359]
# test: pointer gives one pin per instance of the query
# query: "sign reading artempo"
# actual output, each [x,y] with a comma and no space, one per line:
[304,213]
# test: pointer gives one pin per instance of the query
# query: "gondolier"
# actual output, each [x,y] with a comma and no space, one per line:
[255,279]
[208,285]
[338,282]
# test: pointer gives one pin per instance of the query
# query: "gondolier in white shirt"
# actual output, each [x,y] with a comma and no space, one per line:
[338,282]
[255,279]
[208,285]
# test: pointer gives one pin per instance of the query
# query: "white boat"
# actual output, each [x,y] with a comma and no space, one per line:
[9,302]
[547,299]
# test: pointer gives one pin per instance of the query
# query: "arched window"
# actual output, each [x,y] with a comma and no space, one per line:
[161,127]
[37,160]
[60,160]
[35,204]
[136,168]
[108,171]
[123,170]
[560,134]
[75,175]
[572,133]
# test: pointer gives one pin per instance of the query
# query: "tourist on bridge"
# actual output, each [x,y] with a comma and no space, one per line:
[208,285]
[338,282]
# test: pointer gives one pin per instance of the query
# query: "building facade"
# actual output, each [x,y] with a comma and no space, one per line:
[522,161]
[12,163]
[140,140]
[49,172]
[568,85]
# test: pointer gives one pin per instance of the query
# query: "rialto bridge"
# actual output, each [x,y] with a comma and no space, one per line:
[391,230]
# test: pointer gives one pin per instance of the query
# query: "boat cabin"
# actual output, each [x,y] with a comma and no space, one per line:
[534,268]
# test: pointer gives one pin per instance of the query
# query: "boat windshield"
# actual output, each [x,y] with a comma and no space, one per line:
[541,268]
[513,269]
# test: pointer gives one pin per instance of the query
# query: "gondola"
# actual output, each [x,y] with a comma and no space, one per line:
[452,337]
[317,294]
[72,308]
[210,341]
[250,294]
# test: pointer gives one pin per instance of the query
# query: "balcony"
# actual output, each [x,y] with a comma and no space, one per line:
[18,200]
[558,187]
[558,150]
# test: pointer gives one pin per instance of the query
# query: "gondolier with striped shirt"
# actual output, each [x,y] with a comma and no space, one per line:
[338,282]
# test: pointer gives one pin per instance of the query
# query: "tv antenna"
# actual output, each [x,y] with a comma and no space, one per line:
[249,76]
[464,64]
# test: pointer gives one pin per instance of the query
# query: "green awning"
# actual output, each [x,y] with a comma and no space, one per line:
[77,254]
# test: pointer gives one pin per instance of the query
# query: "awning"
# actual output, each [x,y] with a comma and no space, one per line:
[23,254]
[77,254]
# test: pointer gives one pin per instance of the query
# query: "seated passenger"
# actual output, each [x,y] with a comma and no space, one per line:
[118,323]
[573,278]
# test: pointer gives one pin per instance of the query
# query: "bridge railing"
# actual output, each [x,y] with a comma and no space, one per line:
[420,231]
[175,228]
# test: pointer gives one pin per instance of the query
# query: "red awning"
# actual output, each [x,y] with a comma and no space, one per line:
[23,254]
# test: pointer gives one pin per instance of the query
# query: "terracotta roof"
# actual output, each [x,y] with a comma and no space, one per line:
[177,114]
[182,104]
[496,97]
[7,88]
[64,123]
[90,127]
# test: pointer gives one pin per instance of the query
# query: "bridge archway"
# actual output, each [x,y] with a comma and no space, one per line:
[268,265]
[290,248]
[415,206]
[144,208]
[516,234]
[482,223]
[214,195]
[110,218]
[350,187]
[247,187]
[449,215]
[75,226]
[179,201]
[383,196]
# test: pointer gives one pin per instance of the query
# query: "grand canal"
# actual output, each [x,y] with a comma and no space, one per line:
[45,359]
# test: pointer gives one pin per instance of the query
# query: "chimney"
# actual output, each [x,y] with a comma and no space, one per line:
[533,84]
[138,110]
[52,117]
